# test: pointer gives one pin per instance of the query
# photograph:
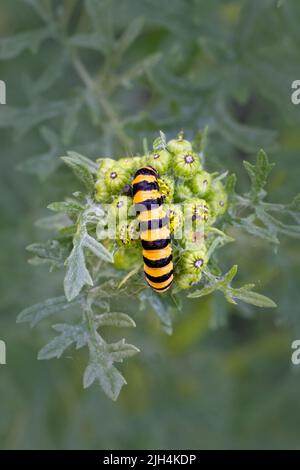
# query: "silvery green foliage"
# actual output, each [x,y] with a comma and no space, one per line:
[91,281]
[96,101]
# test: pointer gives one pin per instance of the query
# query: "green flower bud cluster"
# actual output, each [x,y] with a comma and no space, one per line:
[194,197]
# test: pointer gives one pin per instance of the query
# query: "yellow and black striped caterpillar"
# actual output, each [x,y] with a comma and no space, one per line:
[154,229]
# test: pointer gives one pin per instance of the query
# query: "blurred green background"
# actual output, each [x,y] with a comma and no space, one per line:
[225,378]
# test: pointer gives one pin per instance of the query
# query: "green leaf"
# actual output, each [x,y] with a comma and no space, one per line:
[109,378]
[93,40]
[259,172]
[81,171]
[70,207]
[223,284]
[44,164]
[244,137]
[230,184]
[160,142]
[69,334]
[38,312]
[50,252]
[97,248]
[161,309]
[80,159]
[121,350]
[12,46]
[252,298]
[77,274]
[117,319]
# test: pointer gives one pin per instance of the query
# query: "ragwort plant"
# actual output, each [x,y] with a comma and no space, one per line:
[97,243]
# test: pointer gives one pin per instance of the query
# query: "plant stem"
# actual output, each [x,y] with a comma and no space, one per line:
[104,103]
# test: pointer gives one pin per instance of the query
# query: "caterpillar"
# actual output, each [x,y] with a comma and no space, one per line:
[154,229]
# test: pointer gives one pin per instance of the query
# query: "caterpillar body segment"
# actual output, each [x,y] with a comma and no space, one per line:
[154,229]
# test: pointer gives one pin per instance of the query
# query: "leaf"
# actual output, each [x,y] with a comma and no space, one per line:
[117,319]
[44,164]
[109,378]
[78,158]
[160,142]
[93,40]
[230,184]
[202,292]
[259,172]
[97,248]
[53,222]
[77,274]
[130,34]
[252,298]
[69,334]
[244,137]
[11,47]
[50,252]
[232,294]
[160,308]
[38,312]
[70,207]
[82,172]
[121,350]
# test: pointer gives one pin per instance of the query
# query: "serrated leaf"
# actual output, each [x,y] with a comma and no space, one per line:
[117,319]
[259,172]
[121,350]
[67,207]
[77,274]
[109,378]
[81,159]
[53,222]
[69,334]
[82,172]
[97,248]
[160,142]
[50,252]
[38,312]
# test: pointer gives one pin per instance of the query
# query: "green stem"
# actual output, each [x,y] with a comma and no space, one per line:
[104,103]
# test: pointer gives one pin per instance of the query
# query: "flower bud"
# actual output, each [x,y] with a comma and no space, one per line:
[179,146]
[101,192]
[183,192]
[116,178]
[104,164]
[193,262]
[218,199]
[130,164]
[196,210]
[160,160]
[200,183]
[186,164]
[185,281]
[120,207]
